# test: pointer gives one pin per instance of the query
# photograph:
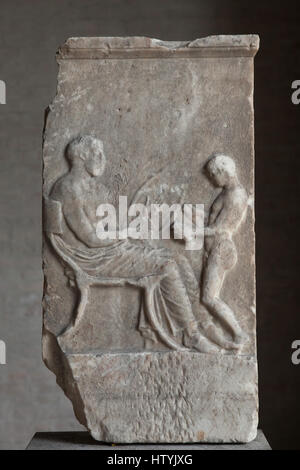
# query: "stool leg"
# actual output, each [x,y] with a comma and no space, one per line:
[84,293]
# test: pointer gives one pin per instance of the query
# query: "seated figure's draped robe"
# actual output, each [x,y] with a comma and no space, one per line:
[166,310]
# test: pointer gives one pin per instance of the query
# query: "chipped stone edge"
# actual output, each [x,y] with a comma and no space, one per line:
[58,362]
[82,413]
[144,47]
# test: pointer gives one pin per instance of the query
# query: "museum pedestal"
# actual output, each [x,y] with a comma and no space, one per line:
[83,441]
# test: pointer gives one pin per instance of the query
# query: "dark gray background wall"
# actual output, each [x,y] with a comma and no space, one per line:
[30,33]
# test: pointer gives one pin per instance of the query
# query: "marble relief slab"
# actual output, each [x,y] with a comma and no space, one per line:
[141,125]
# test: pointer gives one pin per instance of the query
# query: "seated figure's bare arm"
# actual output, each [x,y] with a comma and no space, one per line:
[75,216]
[81,226]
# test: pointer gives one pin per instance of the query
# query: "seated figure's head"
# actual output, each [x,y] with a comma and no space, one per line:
[221,170]
[87,152]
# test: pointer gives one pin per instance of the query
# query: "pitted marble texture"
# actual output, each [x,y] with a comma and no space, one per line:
[164,397]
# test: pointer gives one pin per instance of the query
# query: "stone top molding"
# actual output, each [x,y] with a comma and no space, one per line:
[143,47]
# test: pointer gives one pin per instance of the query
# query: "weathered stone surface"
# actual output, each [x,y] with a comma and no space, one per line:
[152,340]
[164,397]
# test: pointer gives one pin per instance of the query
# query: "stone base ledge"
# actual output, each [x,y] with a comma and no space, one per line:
[176,397]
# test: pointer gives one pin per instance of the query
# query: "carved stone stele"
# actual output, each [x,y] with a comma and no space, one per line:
[152,339]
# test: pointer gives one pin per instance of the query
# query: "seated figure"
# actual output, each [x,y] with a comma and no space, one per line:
[166,312]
